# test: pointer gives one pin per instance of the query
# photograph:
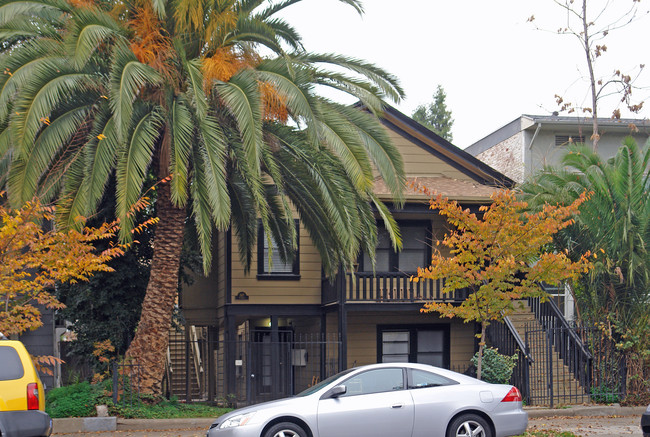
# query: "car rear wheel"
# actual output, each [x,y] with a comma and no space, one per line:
[469,425]
[285,429]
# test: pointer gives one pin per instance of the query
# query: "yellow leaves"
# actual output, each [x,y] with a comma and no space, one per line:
[45,120]
[7,71]
[101,137]
[491,255]
[32,261]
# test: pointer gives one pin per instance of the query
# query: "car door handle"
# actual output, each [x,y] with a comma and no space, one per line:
[397,405]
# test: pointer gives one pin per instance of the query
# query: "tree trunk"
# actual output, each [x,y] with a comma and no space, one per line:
[595,136]
[481,346]
[149,346]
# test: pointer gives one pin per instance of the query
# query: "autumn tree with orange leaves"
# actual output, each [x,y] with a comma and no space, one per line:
[34,260]
[500,256]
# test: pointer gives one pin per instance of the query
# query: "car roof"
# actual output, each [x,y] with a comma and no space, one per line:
[427,368]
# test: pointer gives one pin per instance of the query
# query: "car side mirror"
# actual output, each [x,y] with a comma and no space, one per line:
[337,391]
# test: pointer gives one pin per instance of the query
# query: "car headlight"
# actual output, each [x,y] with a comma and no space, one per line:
[238,420]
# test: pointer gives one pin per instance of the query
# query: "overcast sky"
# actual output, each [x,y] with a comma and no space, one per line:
[493,64]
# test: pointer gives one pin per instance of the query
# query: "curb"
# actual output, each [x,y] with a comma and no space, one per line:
[83,424]
[585,410]
[163,424]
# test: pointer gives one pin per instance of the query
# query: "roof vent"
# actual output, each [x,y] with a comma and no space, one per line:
[565,140]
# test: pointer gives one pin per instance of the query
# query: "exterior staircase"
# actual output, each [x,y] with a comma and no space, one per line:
[176,366]
[551,380]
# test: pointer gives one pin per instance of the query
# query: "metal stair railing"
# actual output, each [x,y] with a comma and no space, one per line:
[507,340]
[568,344]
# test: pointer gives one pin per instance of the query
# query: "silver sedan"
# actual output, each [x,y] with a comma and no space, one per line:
[385,400]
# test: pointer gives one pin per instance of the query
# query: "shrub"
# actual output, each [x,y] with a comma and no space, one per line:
[77,400]
[496,368]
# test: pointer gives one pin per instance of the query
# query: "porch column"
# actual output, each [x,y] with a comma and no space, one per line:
[230,355]
[343,320]
[323,345]
[275,357]
[343,331]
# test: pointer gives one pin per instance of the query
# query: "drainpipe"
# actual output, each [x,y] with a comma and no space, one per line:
[530,146]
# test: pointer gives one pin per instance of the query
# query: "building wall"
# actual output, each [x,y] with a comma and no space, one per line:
[420,162]
[306,290]
[362,335]
[545,152]
[40,342]
[507,157]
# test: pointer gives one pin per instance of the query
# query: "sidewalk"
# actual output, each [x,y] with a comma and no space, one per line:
[95,424]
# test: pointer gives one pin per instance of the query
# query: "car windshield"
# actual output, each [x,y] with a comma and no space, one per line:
[314,388]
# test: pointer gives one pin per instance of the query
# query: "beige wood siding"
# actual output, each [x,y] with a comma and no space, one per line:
[420,162]
[362,335]
[306,290]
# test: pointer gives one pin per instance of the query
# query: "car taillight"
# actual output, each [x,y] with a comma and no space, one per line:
[32,396]
[512,396]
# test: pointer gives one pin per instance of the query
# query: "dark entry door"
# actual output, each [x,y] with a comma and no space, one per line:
[271,376]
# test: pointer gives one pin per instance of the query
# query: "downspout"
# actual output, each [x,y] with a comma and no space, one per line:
[530,146]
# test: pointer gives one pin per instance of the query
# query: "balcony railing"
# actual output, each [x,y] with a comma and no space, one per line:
[396,287]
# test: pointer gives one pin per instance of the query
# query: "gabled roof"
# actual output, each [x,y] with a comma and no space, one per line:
[444,150]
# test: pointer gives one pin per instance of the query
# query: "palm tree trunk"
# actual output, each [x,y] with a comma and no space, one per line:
[149,345]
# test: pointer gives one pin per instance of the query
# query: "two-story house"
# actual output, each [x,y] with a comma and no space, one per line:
[281,327]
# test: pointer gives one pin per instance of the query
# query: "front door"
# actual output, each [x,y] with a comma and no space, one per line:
[271,376]
[375,404]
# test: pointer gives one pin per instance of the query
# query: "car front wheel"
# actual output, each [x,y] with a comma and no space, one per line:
[469,425]
[285,429]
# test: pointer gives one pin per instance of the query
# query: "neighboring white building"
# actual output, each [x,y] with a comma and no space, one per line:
[530,142]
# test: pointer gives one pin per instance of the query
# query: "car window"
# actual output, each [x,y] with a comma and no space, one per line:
[314,388]
[11,367]
[375,381]
[424,379]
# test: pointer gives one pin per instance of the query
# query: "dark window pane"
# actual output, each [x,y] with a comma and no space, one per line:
[433,358]
[395,346]
[10,365]
[410,260]
[430,341]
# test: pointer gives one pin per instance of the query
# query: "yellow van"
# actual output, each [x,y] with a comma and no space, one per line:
[22,399]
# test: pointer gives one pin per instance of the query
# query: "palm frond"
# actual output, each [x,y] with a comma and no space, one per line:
[128,77]
[182,134]
[213,151]
[195,88]
[90,29]
[133,162]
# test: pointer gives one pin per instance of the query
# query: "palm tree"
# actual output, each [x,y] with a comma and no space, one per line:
[614,224]
[218,100]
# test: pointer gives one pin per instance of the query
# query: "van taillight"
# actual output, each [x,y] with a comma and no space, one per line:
[32,396]
[512,396]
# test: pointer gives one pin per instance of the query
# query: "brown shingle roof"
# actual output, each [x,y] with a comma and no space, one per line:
[452,188]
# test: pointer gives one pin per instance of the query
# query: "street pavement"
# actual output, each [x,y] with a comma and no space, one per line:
[583,421]
[596,426]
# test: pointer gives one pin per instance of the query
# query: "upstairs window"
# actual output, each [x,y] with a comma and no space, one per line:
[274,267]
[416,250]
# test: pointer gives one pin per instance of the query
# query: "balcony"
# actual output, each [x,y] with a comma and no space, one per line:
[388,287]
